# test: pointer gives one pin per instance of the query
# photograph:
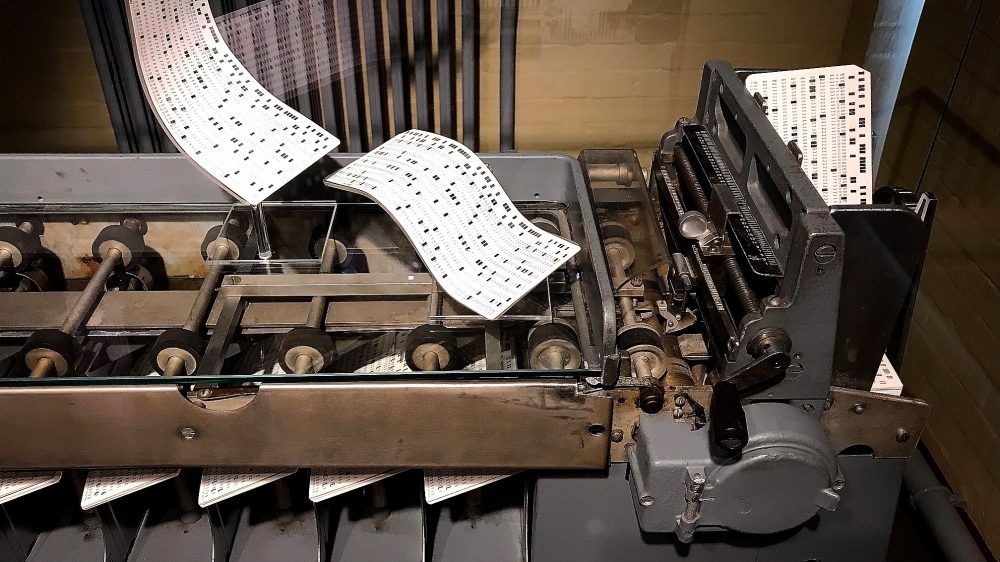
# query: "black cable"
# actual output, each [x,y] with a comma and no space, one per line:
[944,112]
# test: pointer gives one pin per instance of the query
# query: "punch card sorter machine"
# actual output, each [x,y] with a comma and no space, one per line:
[693,384]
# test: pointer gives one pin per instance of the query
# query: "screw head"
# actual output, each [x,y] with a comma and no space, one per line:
[188,432]
[825,254]
[809,408]
[777,301]
[646,501]
[902,436]
[859,407]
[617,435]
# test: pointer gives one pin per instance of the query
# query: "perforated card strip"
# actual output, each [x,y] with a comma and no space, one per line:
[14,485]
[219,484]
[214,111]
[326,483]
[289,45]
[887,381]
[103,486]
[440,485]
[482,251]
[827,112]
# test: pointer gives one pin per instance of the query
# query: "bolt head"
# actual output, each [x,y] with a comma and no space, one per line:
[902,436]
[188,432]
[646,501]
[617,435]
[859,407]
[825,254]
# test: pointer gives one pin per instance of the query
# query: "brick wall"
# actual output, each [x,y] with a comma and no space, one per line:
[950,357]
[589,72]
[618,73]
[51,99]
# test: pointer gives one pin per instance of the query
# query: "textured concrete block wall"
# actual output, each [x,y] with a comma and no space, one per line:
[951,357]
[618,73]
[51,99]
[590,72]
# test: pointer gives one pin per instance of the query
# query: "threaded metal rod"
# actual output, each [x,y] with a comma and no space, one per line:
[690,180]
[744,294]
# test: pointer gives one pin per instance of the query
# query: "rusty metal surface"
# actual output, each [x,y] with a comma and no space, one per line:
[627,413]
[890,425]
[527,424]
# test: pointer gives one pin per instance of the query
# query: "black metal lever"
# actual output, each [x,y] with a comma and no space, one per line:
[728,424]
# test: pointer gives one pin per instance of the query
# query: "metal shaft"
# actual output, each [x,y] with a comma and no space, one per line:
[619,275]
[303,364]
[641,365]
[175,367]
[553,358]
[203,301]
[690,180]
[317,308]
[43,368]
[628,311]
[431,361]
[744,294]
[93,290]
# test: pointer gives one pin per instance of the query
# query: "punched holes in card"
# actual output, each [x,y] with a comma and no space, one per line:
[482,251]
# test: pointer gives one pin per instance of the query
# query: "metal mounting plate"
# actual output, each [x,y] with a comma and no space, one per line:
[890,425]
[495,424]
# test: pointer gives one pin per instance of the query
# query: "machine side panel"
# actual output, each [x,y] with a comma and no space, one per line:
[533,424]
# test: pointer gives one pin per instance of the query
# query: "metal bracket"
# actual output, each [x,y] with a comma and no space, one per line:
[890,425]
